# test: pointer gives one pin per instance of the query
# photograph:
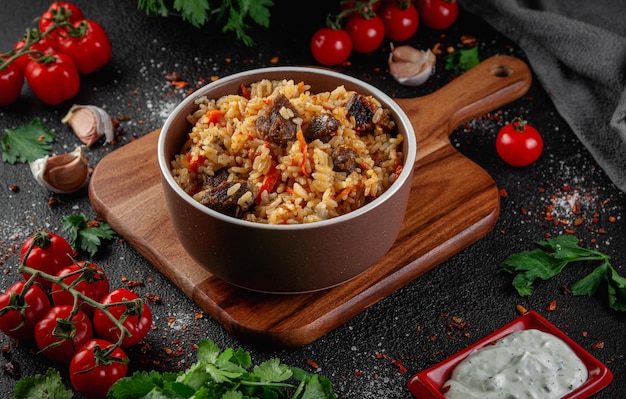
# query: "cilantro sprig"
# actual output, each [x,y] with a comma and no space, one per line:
[551,258]
[236,13]
[42,386]
[227,374]
[462,60]
[86,234]
[26,143]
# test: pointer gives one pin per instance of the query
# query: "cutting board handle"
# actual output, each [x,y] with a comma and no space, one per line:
[494,82]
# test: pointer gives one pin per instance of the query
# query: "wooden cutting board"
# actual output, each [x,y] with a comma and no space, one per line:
[453,203]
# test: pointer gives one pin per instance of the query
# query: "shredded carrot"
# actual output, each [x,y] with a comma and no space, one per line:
[245,92]
[304,151]
[213,116]
[180,84]
[346,191]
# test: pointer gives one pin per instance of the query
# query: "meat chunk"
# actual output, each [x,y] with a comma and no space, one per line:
[274,126]
[345,159]
[363,111]
[321,127]
[222,195]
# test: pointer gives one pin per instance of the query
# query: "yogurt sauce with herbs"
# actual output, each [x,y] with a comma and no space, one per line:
[525,364]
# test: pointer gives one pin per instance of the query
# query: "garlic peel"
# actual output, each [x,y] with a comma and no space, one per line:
[89,123]
[62,174]
[410,66]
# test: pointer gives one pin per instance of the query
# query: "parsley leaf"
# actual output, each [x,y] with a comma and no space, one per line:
[227,375]
[232,14]
[26,143]
[86,234]
[48,386]
[462,60]
[552,256]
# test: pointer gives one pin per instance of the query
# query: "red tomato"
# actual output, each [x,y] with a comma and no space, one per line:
[93,284]
[11,82]
[20,313]
[401,22]
[438,14]
[137,319]
[53,79]
[41,46]
[331,46]
[88,45]
[59,337]
[50,253]
[518,143]
[367,34]
[97,366]
[60,11]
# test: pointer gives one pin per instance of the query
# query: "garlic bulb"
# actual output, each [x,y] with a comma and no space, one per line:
[410,66]
[62,174]
[89,123]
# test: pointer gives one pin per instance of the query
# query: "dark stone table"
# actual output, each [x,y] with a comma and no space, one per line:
[374,354]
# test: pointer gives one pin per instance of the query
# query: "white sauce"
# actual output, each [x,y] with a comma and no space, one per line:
[526,364]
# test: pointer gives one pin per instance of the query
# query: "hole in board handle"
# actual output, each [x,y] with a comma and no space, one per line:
[501,71]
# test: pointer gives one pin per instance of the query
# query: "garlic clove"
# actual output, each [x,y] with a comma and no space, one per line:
[62,174]
[89,123]
[410,66]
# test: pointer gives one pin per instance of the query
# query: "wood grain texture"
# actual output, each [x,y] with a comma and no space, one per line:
[453,203]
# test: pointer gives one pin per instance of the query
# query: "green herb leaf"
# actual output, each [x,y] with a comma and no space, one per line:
[196,12]
[529,266]
[589,284]
[232,14]
[86,234]
[48,386]
[554,255]
[226,375]
[26,143]
[617,290]
[462,60]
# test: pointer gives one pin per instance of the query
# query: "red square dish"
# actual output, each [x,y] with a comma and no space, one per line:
[427,383]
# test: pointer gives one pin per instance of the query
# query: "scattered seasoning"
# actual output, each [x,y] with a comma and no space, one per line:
[551,306]
[598,345]
[398,363]
[14,187]
[312,364]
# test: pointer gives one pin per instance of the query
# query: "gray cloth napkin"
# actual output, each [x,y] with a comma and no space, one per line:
[577,49]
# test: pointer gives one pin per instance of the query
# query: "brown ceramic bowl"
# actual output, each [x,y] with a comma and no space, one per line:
[285,258]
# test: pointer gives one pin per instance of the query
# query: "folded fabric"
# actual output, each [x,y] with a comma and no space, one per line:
[577,50]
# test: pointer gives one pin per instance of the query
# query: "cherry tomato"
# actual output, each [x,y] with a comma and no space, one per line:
[518,143]
[438,14]
[96,367]
[41,46]
[50,253]
[93,284]
[331,46]
[20,313]
[59,335]
[401,20]
[88,45]
[11,82]
[53,78]
[367,34]
[137,319]
[61,11]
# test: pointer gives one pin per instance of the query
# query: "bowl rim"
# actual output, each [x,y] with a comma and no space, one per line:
[410,155]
